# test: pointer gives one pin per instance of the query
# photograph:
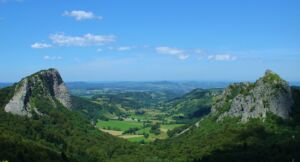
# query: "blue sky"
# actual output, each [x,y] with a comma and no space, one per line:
[136,40]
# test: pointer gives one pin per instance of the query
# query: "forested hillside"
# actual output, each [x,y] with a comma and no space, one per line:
[219,137]
[194,104]
[54,133]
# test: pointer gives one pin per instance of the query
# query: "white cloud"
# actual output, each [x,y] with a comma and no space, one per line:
[121,48]
[124,48]
[84,40]
[200,52]
[99,50]
[172,51]
[40,45]
[82,15]
[222,57]
[52,58]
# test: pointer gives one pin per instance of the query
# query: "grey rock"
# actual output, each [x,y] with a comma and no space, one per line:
[47,84]
[17,105]
[269,94]
[59,90]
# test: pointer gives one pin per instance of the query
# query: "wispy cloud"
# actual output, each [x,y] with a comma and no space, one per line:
[172,51]
[222,57]
[52,58]
[84,40]
[82,15]
[200,51]
[40,45]
[124,48]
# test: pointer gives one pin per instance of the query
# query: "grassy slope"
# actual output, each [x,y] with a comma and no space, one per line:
[196,103]
[94,111]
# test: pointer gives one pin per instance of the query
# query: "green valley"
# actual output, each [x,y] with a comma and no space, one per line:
[40,120]
[149,81]
[130,113]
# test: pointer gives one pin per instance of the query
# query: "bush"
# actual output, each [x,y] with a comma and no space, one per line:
[131,130]
[146,135]
[155,129]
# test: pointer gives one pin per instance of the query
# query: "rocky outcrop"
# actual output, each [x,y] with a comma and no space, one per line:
[46,84]
[17,104]
[269,94]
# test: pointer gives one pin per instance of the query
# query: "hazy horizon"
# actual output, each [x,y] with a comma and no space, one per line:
[153,81]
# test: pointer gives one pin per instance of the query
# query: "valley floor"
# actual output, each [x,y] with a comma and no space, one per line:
[142,132]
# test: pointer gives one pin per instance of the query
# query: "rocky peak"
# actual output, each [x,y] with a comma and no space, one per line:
[268,72]
[271,78]
[269,94]
[43,84]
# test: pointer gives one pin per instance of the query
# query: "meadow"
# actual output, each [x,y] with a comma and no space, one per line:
[136,130]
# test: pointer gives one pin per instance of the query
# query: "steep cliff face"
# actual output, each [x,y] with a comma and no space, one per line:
[269,94]
[46,84]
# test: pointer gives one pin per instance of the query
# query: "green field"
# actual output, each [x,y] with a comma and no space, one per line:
[171,126]
[113,126]
[136,139]
[144,130]
[118,125]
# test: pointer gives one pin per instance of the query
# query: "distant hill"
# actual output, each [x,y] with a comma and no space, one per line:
[294,83]
[2,85]
[136,99]
[174,87]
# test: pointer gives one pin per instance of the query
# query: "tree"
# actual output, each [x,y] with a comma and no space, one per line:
[146,135]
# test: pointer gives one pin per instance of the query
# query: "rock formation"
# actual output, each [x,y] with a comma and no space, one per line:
[43,84]
[269,94]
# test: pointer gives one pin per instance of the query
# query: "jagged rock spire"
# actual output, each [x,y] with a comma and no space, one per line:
[45,83]
[269,94]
